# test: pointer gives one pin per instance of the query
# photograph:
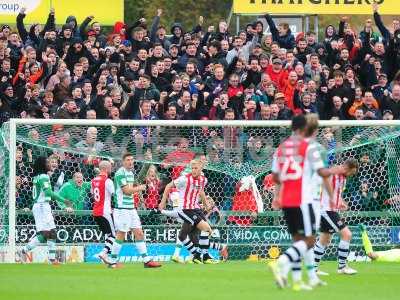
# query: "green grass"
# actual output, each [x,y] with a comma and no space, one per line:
[232,280]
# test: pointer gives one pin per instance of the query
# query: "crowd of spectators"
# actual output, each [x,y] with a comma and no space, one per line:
[140,72]
[148,71]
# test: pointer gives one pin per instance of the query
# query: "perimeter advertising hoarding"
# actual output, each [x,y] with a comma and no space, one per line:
[310,7]
[104,11]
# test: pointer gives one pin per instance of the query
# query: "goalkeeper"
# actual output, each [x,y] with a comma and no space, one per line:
[392,255]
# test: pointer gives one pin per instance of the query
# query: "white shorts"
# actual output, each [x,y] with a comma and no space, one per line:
[317,212]
[44,220]
[173,214]
[126,219]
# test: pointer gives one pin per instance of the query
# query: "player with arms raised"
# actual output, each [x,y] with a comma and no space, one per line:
[125,215]
[102,188]
[42,194]
[191,189]
[331,222]
[294,164]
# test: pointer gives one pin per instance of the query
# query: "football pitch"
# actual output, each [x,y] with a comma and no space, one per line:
[231,280]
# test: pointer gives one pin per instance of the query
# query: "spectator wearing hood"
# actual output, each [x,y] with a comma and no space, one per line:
[266,43]
[330,34]
[74,53]
[177,35]
[120,29]
[322,54]
[65,37]
[76,32]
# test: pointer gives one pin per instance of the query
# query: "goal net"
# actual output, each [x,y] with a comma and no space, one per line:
[238,169]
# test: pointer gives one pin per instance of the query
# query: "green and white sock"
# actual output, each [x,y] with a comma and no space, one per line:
[51,245]
[142,249]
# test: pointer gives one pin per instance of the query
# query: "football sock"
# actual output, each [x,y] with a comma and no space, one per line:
[116,248]
[343,253]
[51,245]
[204,242]
[108,244]
[188,244]
[142,249]
[292,258]
[319,251]
[216,246]
[309,262]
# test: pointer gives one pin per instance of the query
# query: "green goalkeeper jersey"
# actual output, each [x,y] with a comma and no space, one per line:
[42,191]
[122,178]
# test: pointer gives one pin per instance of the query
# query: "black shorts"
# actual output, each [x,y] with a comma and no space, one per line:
[192,216]
[106,224]
[331,222]
[300,220]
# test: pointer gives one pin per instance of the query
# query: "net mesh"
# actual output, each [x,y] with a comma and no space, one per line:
[243,219]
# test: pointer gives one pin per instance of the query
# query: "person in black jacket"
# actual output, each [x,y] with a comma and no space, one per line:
[392,102]
[35,34]
[283,35]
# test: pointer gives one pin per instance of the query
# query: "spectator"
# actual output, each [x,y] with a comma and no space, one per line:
[76,193]
[282,34]
[179,158]
[134,64]
[152,193]
[90,143]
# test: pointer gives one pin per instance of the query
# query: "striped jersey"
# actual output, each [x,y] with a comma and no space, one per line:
[189,189]
[122,178]
[295,162]
[41,183]
[102,189]
[338,184]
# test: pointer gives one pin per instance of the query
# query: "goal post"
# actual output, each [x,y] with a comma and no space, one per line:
[238,155]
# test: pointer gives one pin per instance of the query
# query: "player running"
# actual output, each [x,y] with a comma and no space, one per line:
[392,255]
[294,164]
[42,194]
[102,188]
[191,189]
[331,222]
[125,215]
[204,238]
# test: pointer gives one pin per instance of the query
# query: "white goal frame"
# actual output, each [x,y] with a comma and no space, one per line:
[13,123]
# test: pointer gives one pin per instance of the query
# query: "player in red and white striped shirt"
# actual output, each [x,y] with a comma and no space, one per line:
[294,166]
[191,190]
[102,190]
[331,222]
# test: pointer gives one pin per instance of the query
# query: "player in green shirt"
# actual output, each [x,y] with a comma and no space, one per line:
[126,218]
[42,194]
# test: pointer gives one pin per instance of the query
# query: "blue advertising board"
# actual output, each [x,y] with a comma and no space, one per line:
[129,253]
